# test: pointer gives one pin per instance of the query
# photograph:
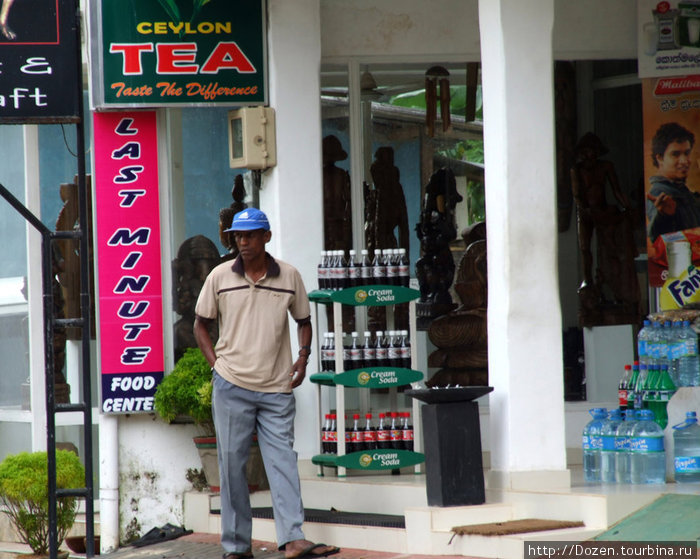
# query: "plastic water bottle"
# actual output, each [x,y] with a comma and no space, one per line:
[607,453]
[664,344]
[593,444]
[654,347]
[686,452]
[643,343]
[622,447]
[676,351]
[648,459]
[688,364]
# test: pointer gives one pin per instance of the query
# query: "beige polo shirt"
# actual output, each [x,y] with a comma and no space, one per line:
[254,350]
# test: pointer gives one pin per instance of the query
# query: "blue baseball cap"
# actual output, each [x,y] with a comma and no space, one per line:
[249,219]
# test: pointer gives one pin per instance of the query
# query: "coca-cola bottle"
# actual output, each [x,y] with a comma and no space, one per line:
[325,430]
[378,268]
[381,351]
[392,269]
[323,270]
[383,434]
[333,435]
[330,352]
[395,433]
[324,352]
[353,268]
[356,436]
[404,270]
[405,350]
[394,349]
[407,431]
[355,353]
[369,434]
[343,281]
[346,353]
[368,351]
[332,280]
[348,437]
[365,268]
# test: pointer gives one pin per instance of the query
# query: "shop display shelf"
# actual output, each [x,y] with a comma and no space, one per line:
[369,377]
[377,459]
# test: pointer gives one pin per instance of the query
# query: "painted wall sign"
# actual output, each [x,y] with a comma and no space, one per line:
[179,52]
[38,57]
[671,171]
[668,38]
[129,272]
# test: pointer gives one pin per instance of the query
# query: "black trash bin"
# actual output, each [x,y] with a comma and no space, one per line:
[454,470]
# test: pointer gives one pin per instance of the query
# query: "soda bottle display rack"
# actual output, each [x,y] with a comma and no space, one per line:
[366,378]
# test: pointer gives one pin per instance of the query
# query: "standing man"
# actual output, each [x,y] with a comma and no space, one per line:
[671,206]
[253,381]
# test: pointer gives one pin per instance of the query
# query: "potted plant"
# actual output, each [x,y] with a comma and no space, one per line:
[25,499]
[187,392]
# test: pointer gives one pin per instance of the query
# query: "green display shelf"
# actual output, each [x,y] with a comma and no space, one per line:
[366,295]
[379,459]
[369,377]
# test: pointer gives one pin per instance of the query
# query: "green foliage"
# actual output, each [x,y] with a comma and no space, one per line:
[25,499]
[458,100]
[187,391]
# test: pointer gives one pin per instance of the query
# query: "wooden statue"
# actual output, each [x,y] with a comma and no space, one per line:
[460,336]
[226,217]
[337,208]
[436,230]
[610,295]
[196,257]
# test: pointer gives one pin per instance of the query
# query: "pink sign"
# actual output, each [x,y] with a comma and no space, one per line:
[129,260]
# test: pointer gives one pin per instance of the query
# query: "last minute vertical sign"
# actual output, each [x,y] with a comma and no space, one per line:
[129,259]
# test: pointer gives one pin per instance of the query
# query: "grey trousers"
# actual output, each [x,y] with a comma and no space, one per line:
[237,414]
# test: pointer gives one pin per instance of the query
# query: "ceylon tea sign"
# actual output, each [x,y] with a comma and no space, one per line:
[129,260]
[178,52]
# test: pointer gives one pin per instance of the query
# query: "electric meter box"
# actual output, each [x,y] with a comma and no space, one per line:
[251,138]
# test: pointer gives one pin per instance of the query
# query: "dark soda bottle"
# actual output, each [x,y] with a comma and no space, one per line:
[365,268]
[355,353]
[407,432]
[325,433]
[405,350]
[394,349]
[381,351]
[383,434]
[404,270]
[392,268]
[396,435]
[353,268]
[333,435]
[368,351]
[378,268]
[323,270]
[356,435]
[369,435]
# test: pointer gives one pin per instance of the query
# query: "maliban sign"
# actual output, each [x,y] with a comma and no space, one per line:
[178,52]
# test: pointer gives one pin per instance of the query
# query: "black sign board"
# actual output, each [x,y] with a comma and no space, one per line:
[39,62]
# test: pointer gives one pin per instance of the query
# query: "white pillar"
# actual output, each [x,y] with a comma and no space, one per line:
[524,318]
[292,192]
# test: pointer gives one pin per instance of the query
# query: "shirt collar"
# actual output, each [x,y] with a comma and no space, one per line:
[273,268]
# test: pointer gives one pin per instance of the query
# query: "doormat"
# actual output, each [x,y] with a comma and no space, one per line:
[334,516]
[515,527]
[671,517]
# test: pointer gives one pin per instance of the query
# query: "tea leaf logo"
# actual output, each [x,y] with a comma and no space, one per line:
[171,8]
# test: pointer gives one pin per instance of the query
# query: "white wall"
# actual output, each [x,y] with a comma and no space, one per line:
[591,29]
